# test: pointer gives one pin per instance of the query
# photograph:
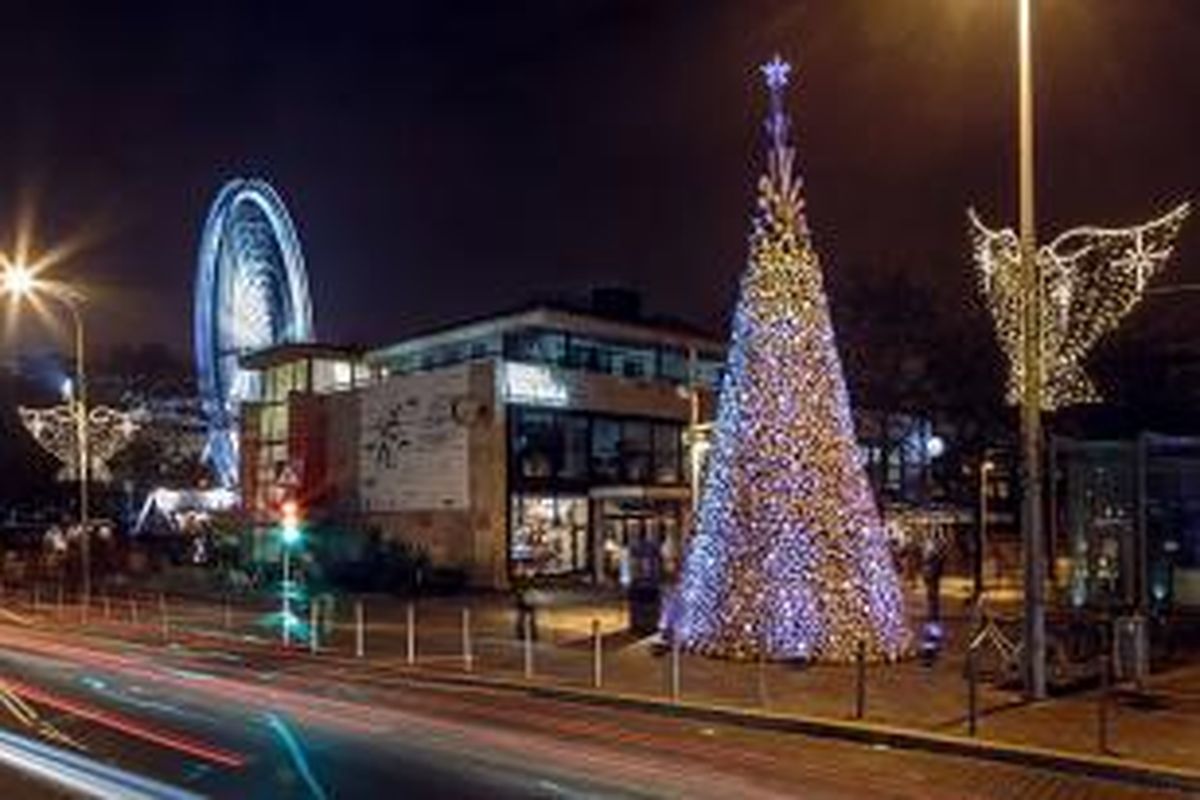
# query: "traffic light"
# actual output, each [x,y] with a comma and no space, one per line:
[290,522]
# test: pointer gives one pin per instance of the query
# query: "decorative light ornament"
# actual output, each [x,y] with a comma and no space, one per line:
[1091,279]
[790,559]
[109,432]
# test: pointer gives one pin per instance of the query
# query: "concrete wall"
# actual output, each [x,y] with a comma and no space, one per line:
[473,539]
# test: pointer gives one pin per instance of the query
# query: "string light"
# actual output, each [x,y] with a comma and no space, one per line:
[109,432]
[789,559]
[1091,279]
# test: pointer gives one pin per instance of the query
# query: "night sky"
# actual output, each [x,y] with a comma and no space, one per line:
[448,159]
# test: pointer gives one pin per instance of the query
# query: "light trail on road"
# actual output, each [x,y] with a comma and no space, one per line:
[83,775]
[129,727]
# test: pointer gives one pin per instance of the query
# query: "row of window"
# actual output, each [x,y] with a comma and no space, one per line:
[572,351]
[550,445]
[567,350]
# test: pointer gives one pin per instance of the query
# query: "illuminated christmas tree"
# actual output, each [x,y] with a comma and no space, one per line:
[789,559]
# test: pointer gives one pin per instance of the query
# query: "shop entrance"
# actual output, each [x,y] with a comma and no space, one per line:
[632,528]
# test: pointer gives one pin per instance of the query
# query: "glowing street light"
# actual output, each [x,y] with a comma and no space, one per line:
[17,280]
[20,281]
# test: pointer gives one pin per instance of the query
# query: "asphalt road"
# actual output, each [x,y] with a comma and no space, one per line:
[221,721]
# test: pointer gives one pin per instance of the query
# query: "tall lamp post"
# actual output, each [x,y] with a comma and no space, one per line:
[1033,553]
[20,281]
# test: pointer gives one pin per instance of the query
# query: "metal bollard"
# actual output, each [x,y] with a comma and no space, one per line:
[972,689]
[133,609]
[762,677]
[360,634]
[37,597]
[164,618]
[527,632]
[1102,715]
[410,635]
[60,613]
[860,680]
[228,614]
[597,655]
[468,660]
[107,606]
[314,629]
[675,653]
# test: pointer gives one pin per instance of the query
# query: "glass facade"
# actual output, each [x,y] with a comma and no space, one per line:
[557,348]
[627,360]
[549,533]
[566,449]
[556,457]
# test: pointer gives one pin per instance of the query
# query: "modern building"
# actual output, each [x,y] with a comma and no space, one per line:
[544,441]
[1127,521]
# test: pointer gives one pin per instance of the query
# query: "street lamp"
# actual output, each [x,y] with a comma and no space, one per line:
[1033,553]
[289,535]
[20,281]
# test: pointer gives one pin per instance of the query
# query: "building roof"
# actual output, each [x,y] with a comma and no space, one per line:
[293,351]
[560,315]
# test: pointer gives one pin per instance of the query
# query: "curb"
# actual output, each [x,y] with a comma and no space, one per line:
[1094,766]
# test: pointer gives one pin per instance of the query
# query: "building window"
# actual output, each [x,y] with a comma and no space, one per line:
[636,448]
[575,450]
[666,453]
[536,346]
[539,446]
[631,362]
[606,449]
[549,533]
[673,365]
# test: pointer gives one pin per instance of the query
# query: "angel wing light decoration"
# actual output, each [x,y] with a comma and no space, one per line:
[1091,279]
[109,431]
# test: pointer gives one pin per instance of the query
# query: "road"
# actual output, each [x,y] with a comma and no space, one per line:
[222,721]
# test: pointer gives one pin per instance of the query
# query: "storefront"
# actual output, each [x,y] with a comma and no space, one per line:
[586,487]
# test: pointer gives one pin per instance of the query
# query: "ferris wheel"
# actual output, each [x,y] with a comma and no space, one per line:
[251,293]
